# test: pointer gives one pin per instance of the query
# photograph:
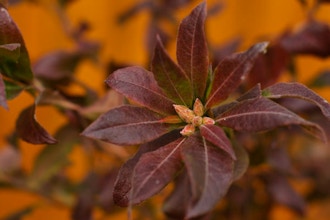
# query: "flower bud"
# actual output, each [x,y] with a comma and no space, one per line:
[188,130]
[197,121]
[208,121]
[198,108]
[186,114]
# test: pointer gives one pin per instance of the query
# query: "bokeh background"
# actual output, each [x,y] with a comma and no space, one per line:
[44,25]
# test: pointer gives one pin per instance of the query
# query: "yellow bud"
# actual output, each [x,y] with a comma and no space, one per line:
[198,108]
[208,121]
[197,121]
[189,129]
[184,113]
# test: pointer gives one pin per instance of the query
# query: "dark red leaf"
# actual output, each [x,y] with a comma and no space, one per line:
[155,170]
[30,130]
[229,74]
[313,38]
[210,171]
[123,182]
[255,92]
[57,66]
[140,86]
[300,91]
[176,204]
[217,136]
[268,68]
[171,77]
[262,114]
[9,34]
[3,99]
[127,125]
[241,163]
[192,51]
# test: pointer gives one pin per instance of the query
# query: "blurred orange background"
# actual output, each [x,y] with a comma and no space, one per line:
[43,32]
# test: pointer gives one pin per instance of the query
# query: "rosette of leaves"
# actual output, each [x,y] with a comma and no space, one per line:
[184,124]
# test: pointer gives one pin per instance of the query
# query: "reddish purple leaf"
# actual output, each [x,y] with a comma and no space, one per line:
[127,125]
[192,51]
[10,35]
[171,77]
[3,99]
[123,182]
[255,92]
[313,38]
[242,161]
[210,171]
[155,170]
[217,136]
[176,204]
[230,72]
[300,91]
[140,86]
[57,66]
[262,114]
[268,68]
[30,130]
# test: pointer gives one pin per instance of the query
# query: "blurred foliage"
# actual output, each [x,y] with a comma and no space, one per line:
[71,46]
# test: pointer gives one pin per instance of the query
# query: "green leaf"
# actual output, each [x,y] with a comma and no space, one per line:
[13,88]
[10,52]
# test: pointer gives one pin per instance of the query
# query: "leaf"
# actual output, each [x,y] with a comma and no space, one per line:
[57,66]
[30,130]
[283,193]
[210,171]
[10,52]
[229,74]
[13,88]
[171,77]
[321,81]
[176,204]
[123,182]
[262,114]
[20,69]
[127,125]
[242,161]
[313,39]
[53,158]
[192,51]
[155,170]
[217,136]
[140,86]
[255,92]
[3,99]
[300,91]
[269,67]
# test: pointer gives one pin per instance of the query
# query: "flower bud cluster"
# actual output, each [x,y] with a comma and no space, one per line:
[194,118]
